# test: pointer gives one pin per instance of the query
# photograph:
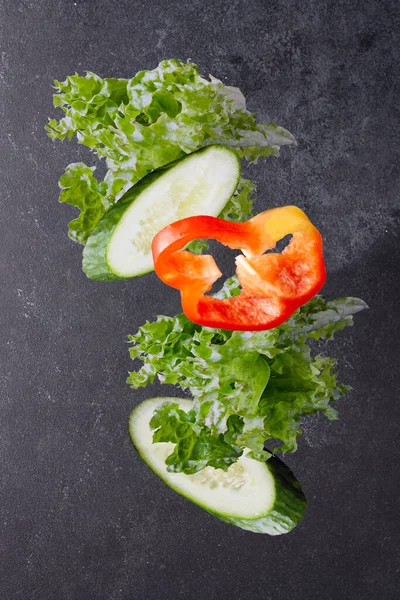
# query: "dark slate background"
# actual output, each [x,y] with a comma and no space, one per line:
[81,517]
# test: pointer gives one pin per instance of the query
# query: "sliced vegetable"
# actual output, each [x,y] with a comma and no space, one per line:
[201,183]
[273,285]
[263,497]
[141,124]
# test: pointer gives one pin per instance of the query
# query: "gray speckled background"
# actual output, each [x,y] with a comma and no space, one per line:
[81,517]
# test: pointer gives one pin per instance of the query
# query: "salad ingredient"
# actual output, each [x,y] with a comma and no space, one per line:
[247,387]
[260,496]
[141,124]
[80,188]
[246,360]
[239,208]
[201,183]
[273,285]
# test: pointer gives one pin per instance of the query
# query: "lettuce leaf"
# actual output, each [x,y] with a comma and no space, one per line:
[248,388]
[195,449]
[138,125]
[80,188]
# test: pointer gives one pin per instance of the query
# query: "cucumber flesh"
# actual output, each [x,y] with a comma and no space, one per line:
[263,497]
[200,184]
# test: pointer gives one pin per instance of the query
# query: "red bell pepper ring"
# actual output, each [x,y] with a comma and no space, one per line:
[273,285]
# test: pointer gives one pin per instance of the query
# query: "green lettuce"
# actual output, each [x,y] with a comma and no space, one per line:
[194,448]
[138,125]
[248,388]
[80,188]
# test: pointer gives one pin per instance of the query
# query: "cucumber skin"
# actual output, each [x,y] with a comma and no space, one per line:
[94,260]
[289,506]
[290,502]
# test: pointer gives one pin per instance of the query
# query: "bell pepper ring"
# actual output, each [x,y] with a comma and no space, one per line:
[274,285]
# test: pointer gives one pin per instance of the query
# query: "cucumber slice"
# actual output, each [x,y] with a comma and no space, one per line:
[263,497]
[200,184]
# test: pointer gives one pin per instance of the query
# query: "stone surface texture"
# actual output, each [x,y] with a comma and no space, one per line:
[81,517]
